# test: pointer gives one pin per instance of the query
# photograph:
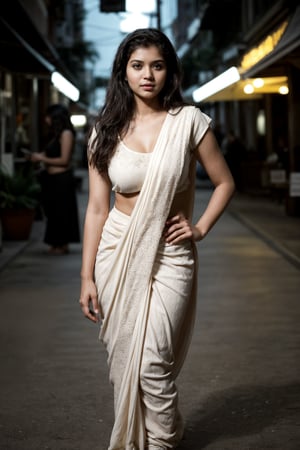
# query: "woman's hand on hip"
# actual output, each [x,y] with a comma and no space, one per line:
[178,228]
[89,300]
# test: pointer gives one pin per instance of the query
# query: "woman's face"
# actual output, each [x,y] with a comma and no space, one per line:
[48,120]
[146,72]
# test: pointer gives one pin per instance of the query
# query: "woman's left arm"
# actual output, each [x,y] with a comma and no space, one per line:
[210,156]
[66,146]
[208,153]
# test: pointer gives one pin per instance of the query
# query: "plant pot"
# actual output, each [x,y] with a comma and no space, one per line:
[16,223]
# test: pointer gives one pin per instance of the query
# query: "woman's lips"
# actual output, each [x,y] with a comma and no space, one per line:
[148,87]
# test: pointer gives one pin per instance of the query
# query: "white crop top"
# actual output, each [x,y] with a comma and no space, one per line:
[127,170]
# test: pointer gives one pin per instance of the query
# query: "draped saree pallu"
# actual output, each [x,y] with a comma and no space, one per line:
[146,292]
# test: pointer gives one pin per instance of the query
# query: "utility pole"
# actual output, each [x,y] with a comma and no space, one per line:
[158,15]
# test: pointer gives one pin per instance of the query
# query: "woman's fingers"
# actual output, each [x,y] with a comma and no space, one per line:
[89,308]
[178,229]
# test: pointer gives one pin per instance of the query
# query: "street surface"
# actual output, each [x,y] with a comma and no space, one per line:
[240,385]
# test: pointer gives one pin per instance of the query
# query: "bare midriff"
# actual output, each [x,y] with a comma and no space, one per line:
[56,169]
[126,202]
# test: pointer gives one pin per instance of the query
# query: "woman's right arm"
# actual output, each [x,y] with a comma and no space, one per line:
[95,217]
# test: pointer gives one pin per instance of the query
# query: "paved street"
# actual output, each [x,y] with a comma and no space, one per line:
[239,388]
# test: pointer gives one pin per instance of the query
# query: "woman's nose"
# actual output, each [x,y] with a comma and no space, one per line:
[148,72]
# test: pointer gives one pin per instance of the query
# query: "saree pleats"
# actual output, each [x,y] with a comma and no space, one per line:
[171,302]
[168,319]
[146,292]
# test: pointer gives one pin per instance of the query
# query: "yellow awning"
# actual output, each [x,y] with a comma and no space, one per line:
[236,91]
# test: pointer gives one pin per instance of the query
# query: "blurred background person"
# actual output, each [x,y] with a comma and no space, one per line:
[22,139]
[57,180]
[234,152]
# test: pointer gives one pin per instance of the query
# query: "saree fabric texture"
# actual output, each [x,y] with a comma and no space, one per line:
[147,295]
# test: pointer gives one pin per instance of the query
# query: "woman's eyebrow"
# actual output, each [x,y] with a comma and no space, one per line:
[141,60]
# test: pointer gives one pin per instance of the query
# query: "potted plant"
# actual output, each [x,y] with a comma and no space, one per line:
[19,197]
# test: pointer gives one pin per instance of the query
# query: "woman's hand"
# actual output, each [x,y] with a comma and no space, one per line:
[89,300]
[37,157]
[178,229]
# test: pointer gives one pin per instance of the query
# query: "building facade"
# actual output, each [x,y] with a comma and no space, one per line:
[31,69]
[259,41]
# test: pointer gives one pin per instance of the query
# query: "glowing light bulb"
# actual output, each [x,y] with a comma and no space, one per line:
[258,82]
[248,89]
[283,90]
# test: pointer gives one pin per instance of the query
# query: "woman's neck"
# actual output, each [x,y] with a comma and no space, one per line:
[143,109]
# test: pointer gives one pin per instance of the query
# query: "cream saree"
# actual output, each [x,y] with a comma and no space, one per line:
[147,295]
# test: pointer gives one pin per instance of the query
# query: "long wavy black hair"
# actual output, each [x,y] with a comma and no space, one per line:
[60,120]
[118,110]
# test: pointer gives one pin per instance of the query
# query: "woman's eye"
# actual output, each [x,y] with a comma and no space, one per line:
[158,66]
[136,66]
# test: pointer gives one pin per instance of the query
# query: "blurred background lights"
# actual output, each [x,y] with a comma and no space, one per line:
[133,21]
[78,120]
[222,81]
[258,82]
[64,86]
[142,6]
[261,123]
[138,15]
[283,90]
[248,89]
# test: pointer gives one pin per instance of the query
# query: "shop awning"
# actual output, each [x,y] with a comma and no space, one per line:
[285,49]
[256,88]
[270,68]
[17,55]
[23,48]
[20,56]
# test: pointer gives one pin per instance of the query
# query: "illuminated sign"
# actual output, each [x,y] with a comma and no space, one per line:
[264,48]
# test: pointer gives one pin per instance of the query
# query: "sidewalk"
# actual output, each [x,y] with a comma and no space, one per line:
[269,221]
[239,387]
[262,215]
[10,249]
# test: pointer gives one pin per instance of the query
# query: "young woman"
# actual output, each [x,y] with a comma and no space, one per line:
[58,184]
[139,261]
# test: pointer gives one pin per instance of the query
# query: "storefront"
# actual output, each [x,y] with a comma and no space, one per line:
[277,56]
[28,66]
[264,91]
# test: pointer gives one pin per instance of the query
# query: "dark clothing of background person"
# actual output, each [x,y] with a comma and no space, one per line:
[58,182]
[59,203]
[60,208]
[234,153]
